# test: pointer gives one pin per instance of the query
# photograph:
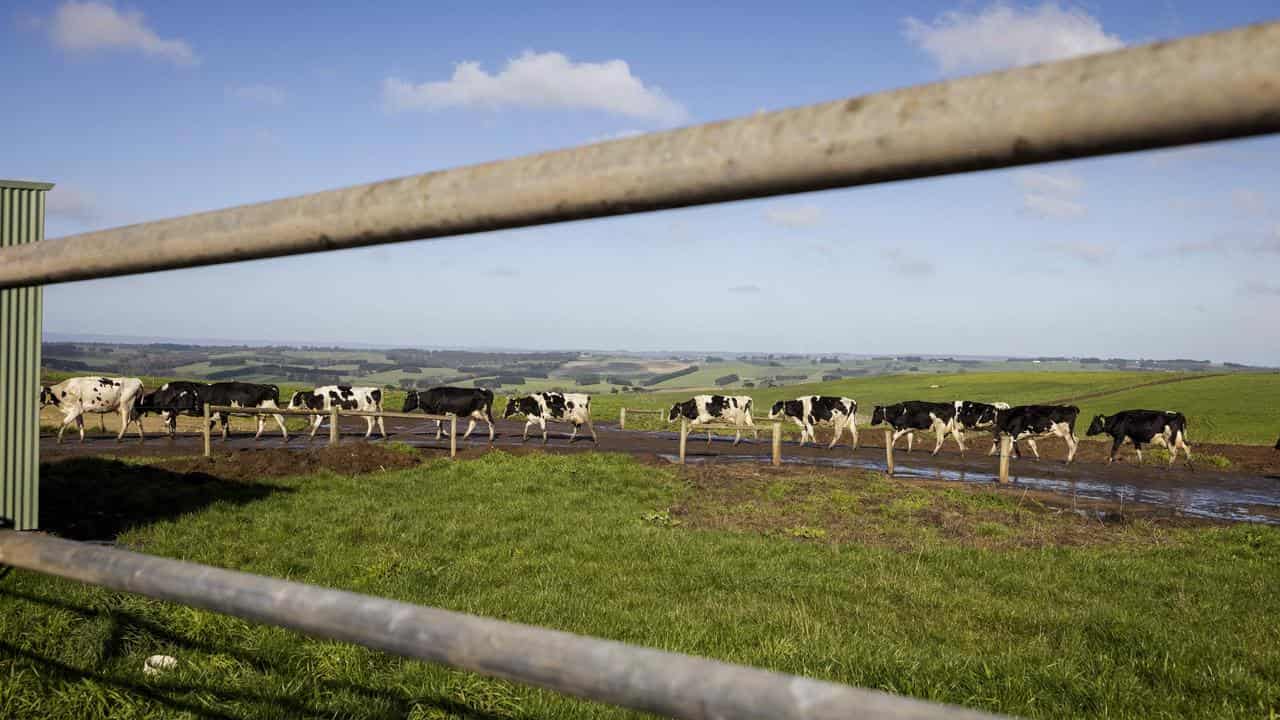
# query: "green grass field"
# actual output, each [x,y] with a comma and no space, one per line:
[965,596]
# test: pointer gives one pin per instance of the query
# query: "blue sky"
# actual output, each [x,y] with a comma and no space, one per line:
[148,110]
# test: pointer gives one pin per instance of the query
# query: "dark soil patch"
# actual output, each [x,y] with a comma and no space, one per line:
[256,464]
[868,509]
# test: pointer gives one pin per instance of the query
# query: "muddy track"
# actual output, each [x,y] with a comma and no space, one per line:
[1117,391]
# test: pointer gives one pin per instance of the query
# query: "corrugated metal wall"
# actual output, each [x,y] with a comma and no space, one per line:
[21,221]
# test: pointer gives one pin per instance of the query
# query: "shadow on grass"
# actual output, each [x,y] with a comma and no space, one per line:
[170,692]
[97,498]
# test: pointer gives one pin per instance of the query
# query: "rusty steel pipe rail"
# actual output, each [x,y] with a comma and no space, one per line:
[1208,87]
[680,686]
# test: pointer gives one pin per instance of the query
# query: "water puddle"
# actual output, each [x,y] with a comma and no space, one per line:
[1240,499]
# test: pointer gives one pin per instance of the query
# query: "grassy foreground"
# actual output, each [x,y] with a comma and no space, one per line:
[1025,611]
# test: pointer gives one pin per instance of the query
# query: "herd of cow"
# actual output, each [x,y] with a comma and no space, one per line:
[127,396]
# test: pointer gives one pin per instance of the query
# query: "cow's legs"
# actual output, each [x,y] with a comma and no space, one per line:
[574,433]
[911,438]
[853,432]
[1032,442]
[262,423]
[315,425]
[1116,442]
[381,430]
[897,434]
[470,426]
[530,422]
[368,429]
[1179,441]
[592,429]
[224,420]
[1138,447]
[836,431]
[958,434]
[1063,431]
[995,444]
[737,436]
[543,422]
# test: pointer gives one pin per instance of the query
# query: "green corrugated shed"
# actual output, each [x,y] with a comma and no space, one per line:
[21,221]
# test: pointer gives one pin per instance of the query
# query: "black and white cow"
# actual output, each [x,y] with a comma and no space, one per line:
[810,410]
[1032,421]
[908,417]
[702,409]
[179,397]
[245,395]
[79,395]
[1156,427]
[472,403]
[976,416]
[538,408]
[343,397]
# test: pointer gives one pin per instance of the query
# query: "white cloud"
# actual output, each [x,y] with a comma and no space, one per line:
[795,216]
[540,80]
[619,135]
[1084,251]
[83,26]
[258,93]
[1006,35]
[906,264]
[1054,196]
[746,289]
[1248,201]
[67,203]
[1257,287]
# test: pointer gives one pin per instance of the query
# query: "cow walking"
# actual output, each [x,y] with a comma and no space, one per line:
[473,403]
[245,395]
[1032,421]
[976,416]
[811,410]
[702,409]
[916,415]
[1155,427]
[173,399]
[538,408]
[343,397]
[79,395]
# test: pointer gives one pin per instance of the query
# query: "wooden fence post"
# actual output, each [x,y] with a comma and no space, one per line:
[684,437]
[453,435]
[208,444]
[888,450]
[333,425]
[777,444]
[622,419]
[1006,445]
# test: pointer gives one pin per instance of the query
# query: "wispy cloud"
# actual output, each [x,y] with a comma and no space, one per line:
[1051,195]
[540,80]
[794,216]
[746,289]
[1248,201]
[87,26]
[502,271]
[259,93]
[1085,251]
[68,203]
[904,263]
[606,137]
[1258,287]
[1005,35]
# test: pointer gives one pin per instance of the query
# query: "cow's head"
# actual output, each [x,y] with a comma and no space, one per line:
[1098,426]
[305,399]
[48,396]
[877,415]
[513,407]
[776,410]
[411,401]
[675,412]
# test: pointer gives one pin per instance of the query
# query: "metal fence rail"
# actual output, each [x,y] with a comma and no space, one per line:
[335,413]
[671,684]
[1209,87]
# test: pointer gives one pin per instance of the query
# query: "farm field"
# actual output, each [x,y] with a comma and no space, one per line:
[955,594]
